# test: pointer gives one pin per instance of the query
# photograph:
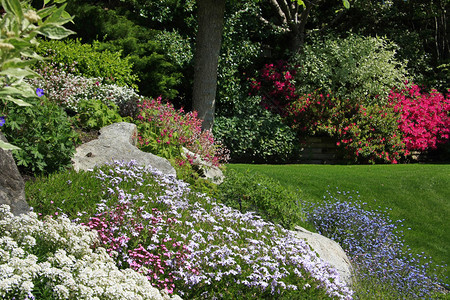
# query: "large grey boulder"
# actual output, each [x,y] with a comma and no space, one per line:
[12,186]
[117,142]
[204,169]
[329,251]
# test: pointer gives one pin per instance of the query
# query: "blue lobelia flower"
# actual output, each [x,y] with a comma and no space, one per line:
[39,92]
[2,120]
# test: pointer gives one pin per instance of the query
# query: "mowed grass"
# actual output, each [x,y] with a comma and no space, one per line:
[417,193]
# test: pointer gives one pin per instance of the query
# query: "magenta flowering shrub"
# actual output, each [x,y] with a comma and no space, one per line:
[163,130]
[425,119]
[276,86]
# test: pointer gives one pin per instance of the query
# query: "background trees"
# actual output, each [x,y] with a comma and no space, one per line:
[160,38]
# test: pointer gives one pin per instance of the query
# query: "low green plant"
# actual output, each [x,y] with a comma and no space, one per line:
[44,134]
[248,191]
[48,194]
[94,114]
[89,60]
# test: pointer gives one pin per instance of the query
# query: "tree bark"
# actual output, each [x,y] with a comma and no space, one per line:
[208,42]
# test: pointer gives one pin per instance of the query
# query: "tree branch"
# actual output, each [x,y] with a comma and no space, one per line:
[280,11]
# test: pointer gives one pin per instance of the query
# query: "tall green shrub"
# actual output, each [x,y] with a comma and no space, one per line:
[355,67]
[119,31]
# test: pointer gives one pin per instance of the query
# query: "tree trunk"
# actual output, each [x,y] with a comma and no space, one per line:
[208,42]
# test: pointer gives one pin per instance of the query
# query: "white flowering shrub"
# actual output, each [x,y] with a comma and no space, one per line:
[53,259]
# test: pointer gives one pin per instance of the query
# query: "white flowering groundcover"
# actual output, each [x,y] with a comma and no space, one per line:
[53,259]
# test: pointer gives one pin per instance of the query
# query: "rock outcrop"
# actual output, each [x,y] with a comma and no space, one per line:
[204,169]
[329,251]
[117,142]
[12,186]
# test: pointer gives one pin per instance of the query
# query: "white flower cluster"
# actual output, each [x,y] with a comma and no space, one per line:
[55,257]
[67,89]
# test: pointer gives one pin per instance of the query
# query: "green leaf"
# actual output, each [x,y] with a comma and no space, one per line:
[346,4]
[7,146]
[55,31]
[19,73]
[300,2]
[14,7]
[45,12]
[17,101]
[55,18]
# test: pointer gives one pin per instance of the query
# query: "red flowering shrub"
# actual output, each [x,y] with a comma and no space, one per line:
[372,132]
[367,134]
[275,85]
[425,119]
[163,130]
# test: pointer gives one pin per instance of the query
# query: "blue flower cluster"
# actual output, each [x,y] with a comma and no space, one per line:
[375,246]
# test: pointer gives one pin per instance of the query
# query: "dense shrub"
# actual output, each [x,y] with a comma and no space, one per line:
[256,136]
[89,61]
[268,198]
[365,133]
[373,242]
[44,134]
[354,67]
[275,85]
[163,130]
[94,114]
[121,31]
[425,118]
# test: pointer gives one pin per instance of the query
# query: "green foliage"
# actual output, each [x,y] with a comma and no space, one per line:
[177,48]
[94,114]
[256,135]
[354,67]
[44,134]
[238,53]
[249,191]
[90,61]
[20,24]
[63,190]
[121,32]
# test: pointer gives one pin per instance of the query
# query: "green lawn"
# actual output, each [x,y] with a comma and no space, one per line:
[417,193]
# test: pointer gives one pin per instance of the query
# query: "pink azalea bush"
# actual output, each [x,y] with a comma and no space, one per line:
[424,120]
[163,130]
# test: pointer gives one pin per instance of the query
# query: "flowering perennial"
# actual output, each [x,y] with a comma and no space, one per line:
[377,252]
[67,89]
[164,130]
[53,259]
[189,244]
[425,118]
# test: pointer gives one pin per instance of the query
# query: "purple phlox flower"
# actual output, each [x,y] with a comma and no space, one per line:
[39,92]
[2,120]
